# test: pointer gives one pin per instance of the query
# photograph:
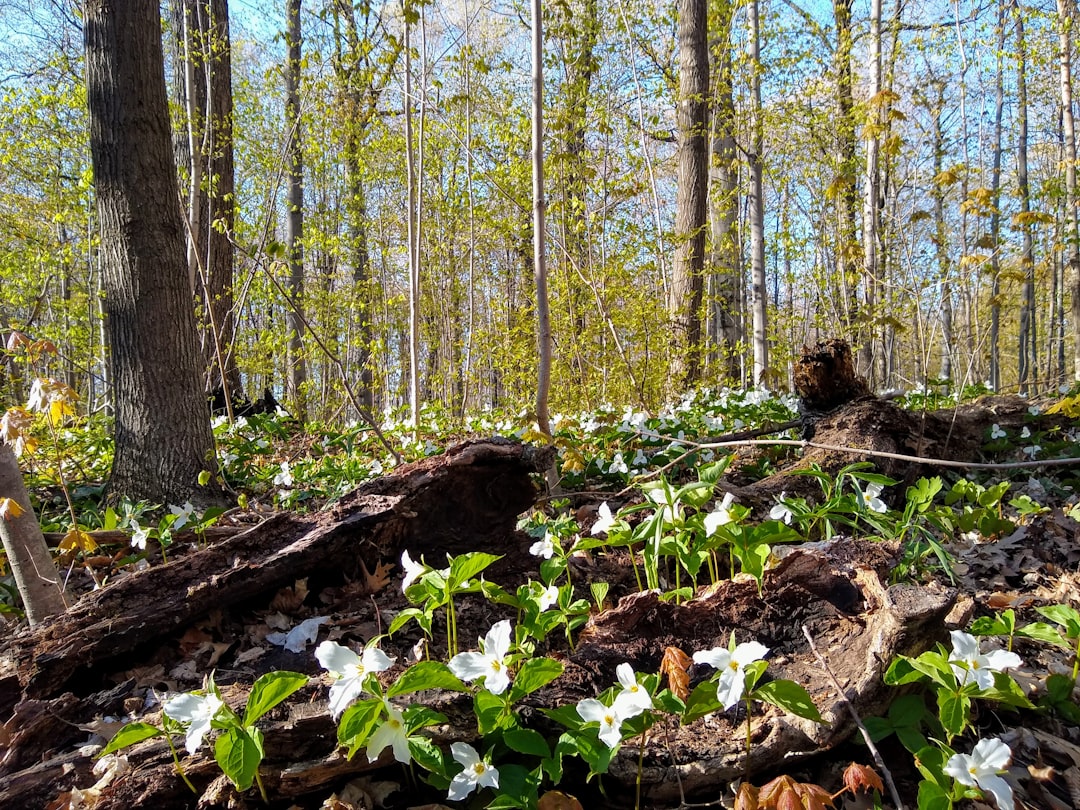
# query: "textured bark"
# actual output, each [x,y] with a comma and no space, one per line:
[848,249]
[995,211]
[1027,367]
[162,427]
[725,251]
[294,222]
[28,555]
[1066,19]
[688,279]
[758,295]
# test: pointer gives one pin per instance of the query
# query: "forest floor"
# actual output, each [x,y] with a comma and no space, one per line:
[838,598]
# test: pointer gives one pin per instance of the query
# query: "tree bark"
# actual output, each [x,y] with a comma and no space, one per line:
[759,294]
[1066,16]
[28,555]
[1028,349]
[543,317]
[294,223]
[688,279]
[162,428]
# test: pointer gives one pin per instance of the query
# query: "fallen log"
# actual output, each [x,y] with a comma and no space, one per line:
[458,500]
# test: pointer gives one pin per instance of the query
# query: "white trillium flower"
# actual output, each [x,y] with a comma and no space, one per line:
[670,512]
[781,511]
[544,547]
[284,478]
[548,597]
[183,514]
[634,698]
[640,459]
[197,711]
[413,570]
[732,682]
[871,500]
[980,769]
[139,535]
[720,516]
[618,465]
[478,772]
[592,710]
[393,733]
[1025,433]
[489,664]
[968,664]
[997,432]
[604,520]
[1032,451]
[350,671]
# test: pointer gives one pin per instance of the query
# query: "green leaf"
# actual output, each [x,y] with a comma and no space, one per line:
[590,748]
[702,701]
[270,690]
[357,723]
[238,752]
[490,711]
[1067,617]
[1041,631]
[551,569]
[426,675]
[789,696]
[933,797]
[527,741]
[534,673]
[466,566]
[953,711]
[518,787]
[129,735]
[429,756]
[403,618]
[1001,625]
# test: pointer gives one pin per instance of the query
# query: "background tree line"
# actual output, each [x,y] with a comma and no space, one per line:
[354,181]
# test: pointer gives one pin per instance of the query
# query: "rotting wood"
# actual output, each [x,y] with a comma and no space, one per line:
[472,492]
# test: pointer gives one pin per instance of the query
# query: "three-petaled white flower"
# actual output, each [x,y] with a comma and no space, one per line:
[980,769]
[139,535]
[198,711]
[1025,432]
[968,664]
[731,664]
[592,710]
[547,597]
[618,465]
[869,498]
[413,570]
[489,664]
[720,516]
[669,510]
[634,698]
[781,511]
[997,431]
[604,519]
[393,733]
[350,671]
[1032,451]
[284,478]
[183,514]
[478,772]
[544,547]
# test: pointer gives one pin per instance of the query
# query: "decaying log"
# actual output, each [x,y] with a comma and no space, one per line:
[825,377]
[836,589]
[462,498]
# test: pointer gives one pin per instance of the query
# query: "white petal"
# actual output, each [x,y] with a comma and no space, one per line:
[992,754]
[610,733]
[959,768]
[748,652]
[625,673]
[497,641]
[461,785]
[335,658]
[592,710]
[470,665]
[717,657]
[999,660]
[730,687]
[343,692]
[490,777]
[375,660]
[497,678]
[999,789]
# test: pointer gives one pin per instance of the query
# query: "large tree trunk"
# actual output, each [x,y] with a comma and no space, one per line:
[162,428]
[1027,368]
[1066,18]
[995,211]
[759,294]
[688,272]
[848,250]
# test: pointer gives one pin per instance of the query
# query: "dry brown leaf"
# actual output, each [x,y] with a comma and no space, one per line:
[556,800]
[862,777]
[375,582]
[676,666]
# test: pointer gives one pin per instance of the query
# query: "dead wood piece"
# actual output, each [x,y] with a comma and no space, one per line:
[837,589]
[825,376]
[458,500]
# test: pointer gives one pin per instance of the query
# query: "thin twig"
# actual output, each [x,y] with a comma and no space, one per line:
[886,775]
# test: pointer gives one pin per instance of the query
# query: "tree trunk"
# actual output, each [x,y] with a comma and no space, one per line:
[757,202]
[995,211]
[688,272]
[1028,349]
[941,238]
[872,196]
[294,222]
[28,555]
[1066,16]
[162,429]
[543,318]
[848,261]
[725,254]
